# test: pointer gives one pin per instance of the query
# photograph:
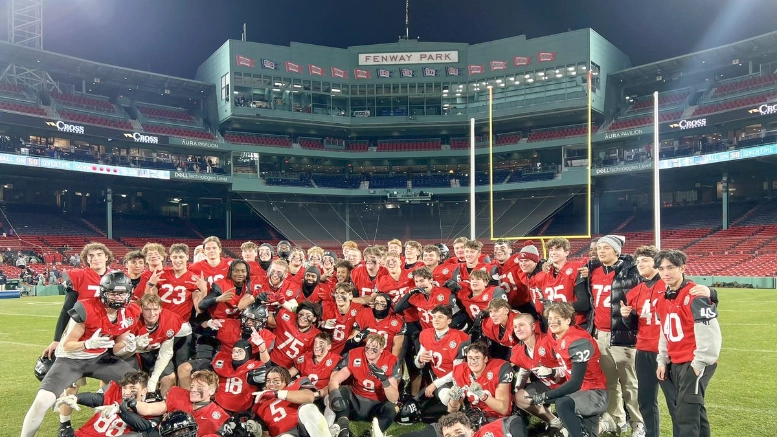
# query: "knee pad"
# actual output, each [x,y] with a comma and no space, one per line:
[445,395]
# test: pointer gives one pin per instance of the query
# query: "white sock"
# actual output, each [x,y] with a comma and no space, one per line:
[34,417]
[328,413]
[63,418]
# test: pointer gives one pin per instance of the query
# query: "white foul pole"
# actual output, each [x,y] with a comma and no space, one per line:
[656,180]
[472,234]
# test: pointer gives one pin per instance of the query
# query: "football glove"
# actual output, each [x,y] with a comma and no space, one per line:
[380,374]
[456,392]
[336,402]
[452,285]
[98,342]
[538,399]
[69,400]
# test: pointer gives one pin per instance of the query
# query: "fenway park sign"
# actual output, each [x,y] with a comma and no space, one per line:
[451,56]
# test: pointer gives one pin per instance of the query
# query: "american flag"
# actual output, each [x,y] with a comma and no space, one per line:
[406,72]
[430,72]
[383,73]
[362,74]
[272,65]
[453,71]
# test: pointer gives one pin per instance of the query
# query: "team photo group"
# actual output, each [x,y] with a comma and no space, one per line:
[300,342]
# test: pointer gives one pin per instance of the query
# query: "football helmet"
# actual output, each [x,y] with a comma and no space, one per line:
[444,251]
[178,424]
[409,412]
[258,313]
[42,367]
[477,417]
[115,283]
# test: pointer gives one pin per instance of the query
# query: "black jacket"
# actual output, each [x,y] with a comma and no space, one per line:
[624,331]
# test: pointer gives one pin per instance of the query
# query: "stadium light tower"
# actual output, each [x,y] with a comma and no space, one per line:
[25,28]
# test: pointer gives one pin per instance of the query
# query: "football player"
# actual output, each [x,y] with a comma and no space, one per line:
[373,392]
[584,396]
[294,333]
[318,364]
[286,407]
[96,325]
[339,316]
[213,267]
[379,319]
[481,383]
[235,386]
[441,347]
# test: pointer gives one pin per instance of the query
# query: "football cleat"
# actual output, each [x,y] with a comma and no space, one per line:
[638,430]
[345,427]
[66,430]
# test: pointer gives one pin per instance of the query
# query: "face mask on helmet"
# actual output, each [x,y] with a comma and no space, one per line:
[257,316]
[178,424]
[42,367]
[409,412]
[115,290]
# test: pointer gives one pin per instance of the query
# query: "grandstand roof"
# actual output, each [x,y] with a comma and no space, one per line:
[703,60]
[108,74]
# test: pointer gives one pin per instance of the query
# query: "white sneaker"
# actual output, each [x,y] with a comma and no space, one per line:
[376,432]
[638,430]
[607,424]
[334,430]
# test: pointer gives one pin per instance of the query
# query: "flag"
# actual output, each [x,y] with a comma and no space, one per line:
[385,74]
[406,72]
[315,70]
[546,56]
[362,74]
[272,65]
[244,62]
[498,65]
[453,71]
[521,60]
[430,72]
[293,68]
[336,72]
[476,69]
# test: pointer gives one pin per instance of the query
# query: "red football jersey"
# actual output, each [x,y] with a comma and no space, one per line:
[475,304]
[389,327]
[601,289]
[577,346]
[86,282]
[228,309]
[258,274]
[364,383]
[298,277]
[678,317]
[510,274]
[279,415]
[542,355]
[424,305]
[442,273]
[317,372]
[209,418]
[291,342]
[168,325]
[445,350]
[97,318]
[496,372]
[559,286]
[286,290]
[211,273]
[231,331]
[344,323]
[176,292]
[234,393]
[491,330]
[363,282]
[396,288]
[643,299]
[97,426]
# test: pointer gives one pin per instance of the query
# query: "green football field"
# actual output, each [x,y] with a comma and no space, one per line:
[741,398]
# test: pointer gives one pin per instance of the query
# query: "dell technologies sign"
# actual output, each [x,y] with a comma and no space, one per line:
[65,127]
[689,124]
[141,138]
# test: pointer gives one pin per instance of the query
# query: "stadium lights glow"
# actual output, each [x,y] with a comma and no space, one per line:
[278,84]
[297,86]
[540,73]
[276,89]
[527,76]
[571,68]
[335,90]
[501,84]
[458,94]
[499,81]
[557,71]
[559,75]
[530,80]
[511,79]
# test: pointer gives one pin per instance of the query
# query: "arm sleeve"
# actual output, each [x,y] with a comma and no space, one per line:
[91,400]
[403,304]
[164,357]
[663,354]
[210,300]
[707,332]
[575,381]
[135,421]
[439,382]
[71,297]
[582,304]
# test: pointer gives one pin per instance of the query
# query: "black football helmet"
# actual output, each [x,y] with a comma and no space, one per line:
[256,312]
[444,251]
[42,367]
[409,412]
[477,417]
[115,283]
[178,424]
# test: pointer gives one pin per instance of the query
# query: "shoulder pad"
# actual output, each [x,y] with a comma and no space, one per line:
[703,310]
[506,373]
[581,350]
[344,362]
[77,313]
[66,281]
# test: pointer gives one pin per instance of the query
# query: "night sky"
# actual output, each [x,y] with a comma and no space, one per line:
[174,36]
